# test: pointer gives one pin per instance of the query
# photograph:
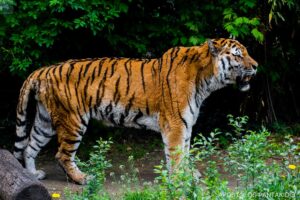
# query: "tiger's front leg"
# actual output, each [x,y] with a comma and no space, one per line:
[176,137]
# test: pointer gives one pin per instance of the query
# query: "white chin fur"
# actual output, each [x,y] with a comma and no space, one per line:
[245,88]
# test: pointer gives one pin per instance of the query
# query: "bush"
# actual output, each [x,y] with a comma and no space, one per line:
[262,169]
[95,167]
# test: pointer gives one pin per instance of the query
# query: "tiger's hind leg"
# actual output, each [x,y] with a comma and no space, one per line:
[41,133]
[69,137]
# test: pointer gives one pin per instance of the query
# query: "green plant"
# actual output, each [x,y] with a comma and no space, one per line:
[34,26]
[95,168]
[262,167]
[239,23]
[181,184]
[246,157]
[237,124]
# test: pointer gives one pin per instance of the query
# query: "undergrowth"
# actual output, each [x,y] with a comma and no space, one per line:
[261,167]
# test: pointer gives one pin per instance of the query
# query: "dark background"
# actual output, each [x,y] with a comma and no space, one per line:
[37,33]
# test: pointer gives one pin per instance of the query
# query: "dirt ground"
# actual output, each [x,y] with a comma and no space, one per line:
[57,182]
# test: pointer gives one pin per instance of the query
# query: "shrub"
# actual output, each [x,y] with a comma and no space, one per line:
[95,167]
[262,169]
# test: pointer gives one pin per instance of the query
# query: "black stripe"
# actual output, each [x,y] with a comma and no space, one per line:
[43,118]
[83,122]
[60,72]
[40,73]
[98,99]
[137,116]
[36,139]
[49,68]
[64,151]
[160,65]
[222,41]
[79,75]
[20,122]
[33,147]
[187,139]
[197,82]
[41,132]
[81,133]
[93,75]
[147,107]
[116,97]
[223,64]
[70,69]
[87,66]
[77,95]
[68,97]
[83,100]
[142,73]
[128,77]
[69,141]
[153,71]
[113,68]
[207,52]
[184,58]
[100,65]
[19,139]
[90,102]
[190,106]
[128,106]
[85,90]
[16,149]
[182,119]
[69,152]
[122,118]
[111,119]
[55,76]
[228,60]
[192,58]
[108,109]
[207,82]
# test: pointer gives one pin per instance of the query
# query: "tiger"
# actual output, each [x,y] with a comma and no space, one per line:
[161,94]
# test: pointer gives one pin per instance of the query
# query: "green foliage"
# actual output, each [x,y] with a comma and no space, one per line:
[239,25]
[261,167]
[95,167]
[276,6]
[246,157]
[34,26]
[237,124]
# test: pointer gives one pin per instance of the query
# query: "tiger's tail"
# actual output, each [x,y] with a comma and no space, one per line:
[22,135]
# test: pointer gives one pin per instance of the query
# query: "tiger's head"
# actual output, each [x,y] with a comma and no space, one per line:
[234,64]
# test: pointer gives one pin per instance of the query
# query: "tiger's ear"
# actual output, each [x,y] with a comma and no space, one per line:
[212,49]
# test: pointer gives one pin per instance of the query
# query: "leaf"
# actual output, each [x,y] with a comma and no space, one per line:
[194,40]
[183,40]
[270,17]
[257,35]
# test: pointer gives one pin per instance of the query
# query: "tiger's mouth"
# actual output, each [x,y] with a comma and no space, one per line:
[243,83]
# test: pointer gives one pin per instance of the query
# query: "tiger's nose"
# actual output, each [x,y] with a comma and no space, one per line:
[254,65]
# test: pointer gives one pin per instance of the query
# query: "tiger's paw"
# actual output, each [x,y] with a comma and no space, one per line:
[80,178]
[39,174]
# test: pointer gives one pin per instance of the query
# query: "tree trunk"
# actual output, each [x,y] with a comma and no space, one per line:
[16,182]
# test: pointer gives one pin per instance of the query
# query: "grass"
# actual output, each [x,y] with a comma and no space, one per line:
[261,167]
